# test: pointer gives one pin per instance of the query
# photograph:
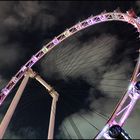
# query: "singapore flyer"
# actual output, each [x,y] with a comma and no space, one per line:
[69,70]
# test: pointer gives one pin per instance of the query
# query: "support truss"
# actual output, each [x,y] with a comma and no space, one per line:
[6,120]
[125,105]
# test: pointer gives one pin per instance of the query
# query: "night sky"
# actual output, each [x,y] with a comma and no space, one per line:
[89,70]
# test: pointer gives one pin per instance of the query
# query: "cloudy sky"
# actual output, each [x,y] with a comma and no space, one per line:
[90,70]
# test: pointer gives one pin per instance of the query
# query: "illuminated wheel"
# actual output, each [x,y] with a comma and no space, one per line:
[70,71]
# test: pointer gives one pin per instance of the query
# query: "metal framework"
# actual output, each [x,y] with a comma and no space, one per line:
[30,73]
[122,110]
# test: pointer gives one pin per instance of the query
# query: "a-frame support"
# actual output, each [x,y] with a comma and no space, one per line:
[6,120]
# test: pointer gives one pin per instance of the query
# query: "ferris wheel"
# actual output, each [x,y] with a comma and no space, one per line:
[113,127]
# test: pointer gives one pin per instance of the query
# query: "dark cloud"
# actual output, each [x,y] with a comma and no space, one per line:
[9,54]
[30,15]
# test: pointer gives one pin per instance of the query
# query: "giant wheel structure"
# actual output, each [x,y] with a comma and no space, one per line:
[113,127]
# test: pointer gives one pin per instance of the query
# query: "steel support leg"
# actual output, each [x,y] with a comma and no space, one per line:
[54,96]
[6,120]
[52,117]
